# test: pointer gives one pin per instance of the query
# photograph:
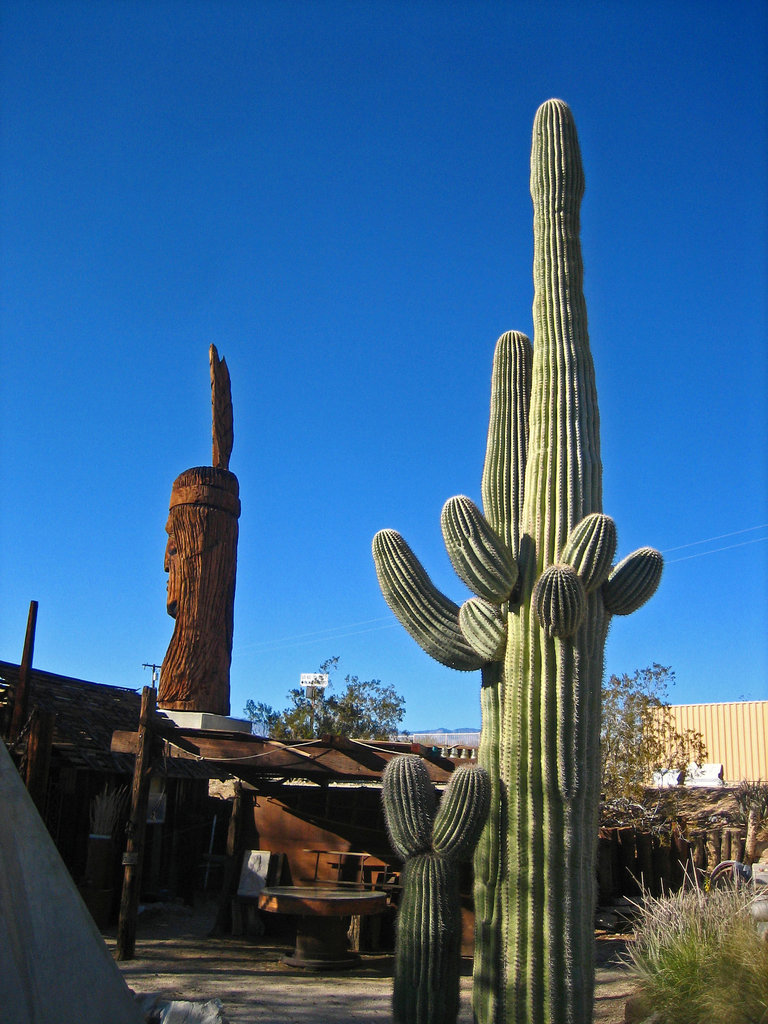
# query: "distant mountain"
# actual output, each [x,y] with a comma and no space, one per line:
[439,730]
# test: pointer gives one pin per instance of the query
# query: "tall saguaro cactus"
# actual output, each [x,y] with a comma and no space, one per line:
[433,839]
[540,560]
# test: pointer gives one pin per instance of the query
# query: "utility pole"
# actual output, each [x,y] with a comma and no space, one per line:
[311,683]
[155,673]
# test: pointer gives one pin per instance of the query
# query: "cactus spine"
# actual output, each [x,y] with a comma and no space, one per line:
[541,670]
[432,840]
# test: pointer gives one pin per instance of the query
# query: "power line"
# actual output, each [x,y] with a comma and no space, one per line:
[331,633]
[386,622]
[727,547]
[721,536]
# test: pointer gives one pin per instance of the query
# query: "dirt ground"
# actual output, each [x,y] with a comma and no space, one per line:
[176,959]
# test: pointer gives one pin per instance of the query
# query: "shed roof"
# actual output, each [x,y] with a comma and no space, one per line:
[87,714]
[96,728]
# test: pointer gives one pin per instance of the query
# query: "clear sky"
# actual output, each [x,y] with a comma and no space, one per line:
[336,194]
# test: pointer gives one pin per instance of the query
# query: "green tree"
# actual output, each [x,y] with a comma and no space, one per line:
[263,717]
[638,735]
[364,709]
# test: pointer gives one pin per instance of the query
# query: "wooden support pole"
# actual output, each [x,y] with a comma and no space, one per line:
[605,884]
[682,859]
[628,854]
[713,849]
[700,854]
[725,845]
[39,746]
[738,844]
[235,845]
[137,826]
[21,697]
[645,861]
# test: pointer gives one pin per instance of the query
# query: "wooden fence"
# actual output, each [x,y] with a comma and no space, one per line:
[631,859]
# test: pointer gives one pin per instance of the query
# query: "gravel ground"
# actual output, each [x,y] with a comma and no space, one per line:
[176,959]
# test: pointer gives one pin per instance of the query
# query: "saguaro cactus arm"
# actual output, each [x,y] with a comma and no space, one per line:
[590,548]
[477,553]
[633,582]
[506,450]
[485,628]
[430,617]
[462,812]
[560,601]
[410,802]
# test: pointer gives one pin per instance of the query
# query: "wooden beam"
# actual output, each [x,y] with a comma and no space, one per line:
[362,753]
[137,826]
[21,697]
[233,751]
[39,746]
[252,757]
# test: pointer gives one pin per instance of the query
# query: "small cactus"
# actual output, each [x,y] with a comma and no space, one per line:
[432,839]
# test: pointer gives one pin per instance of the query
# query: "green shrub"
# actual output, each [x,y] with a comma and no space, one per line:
[699,959]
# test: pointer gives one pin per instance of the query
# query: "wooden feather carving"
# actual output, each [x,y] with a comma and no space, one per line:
[221,401]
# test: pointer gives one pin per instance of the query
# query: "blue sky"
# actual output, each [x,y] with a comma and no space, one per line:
[336,194]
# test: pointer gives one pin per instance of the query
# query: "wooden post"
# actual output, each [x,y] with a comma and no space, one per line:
[21,697]
[39,756]
[700,854]
[628,854]
[226,915]
[682,859]
[738,844]
[662,866]
[604,868]
[137,826]
[645,861]
[713,849]
[725,845]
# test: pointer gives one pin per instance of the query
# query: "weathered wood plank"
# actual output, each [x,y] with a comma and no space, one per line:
[137,824]
[21,696]
[39,746]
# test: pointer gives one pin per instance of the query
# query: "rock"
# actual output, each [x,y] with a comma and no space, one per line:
[180,1011]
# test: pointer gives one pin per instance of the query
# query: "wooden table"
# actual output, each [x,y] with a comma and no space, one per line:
[341,859]
[321,928]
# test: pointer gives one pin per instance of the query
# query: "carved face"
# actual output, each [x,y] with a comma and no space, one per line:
[171,566]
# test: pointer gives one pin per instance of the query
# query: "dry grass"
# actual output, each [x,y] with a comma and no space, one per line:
[699,959]
[106,808]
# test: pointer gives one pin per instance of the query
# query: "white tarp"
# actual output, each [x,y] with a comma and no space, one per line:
[705,776]
[54,965]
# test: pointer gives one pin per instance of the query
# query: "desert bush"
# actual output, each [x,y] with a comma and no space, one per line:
[752,796]
[699,959]
[752,801]
[638,734]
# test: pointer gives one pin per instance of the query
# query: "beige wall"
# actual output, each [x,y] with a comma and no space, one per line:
[735,734]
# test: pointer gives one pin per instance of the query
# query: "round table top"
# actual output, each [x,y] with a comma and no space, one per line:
[314,899]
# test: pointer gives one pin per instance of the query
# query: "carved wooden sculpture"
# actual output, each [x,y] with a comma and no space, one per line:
[201,561]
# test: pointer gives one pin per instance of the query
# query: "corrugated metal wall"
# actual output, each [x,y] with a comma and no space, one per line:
[736,735]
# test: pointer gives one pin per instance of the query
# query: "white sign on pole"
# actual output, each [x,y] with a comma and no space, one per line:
[318,680]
